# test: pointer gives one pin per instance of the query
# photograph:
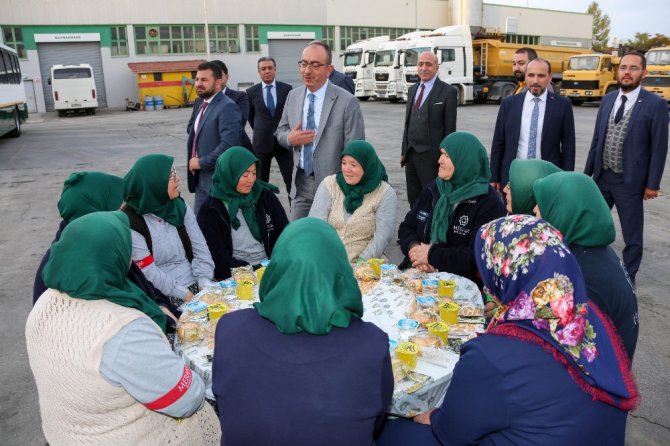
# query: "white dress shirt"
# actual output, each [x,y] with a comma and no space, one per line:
[319,96]
[524,133]
[273,91]
[631,99]
[426,90]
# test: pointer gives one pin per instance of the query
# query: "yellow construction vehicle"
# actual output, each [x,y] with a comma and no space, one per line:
[589,77]
[658,67]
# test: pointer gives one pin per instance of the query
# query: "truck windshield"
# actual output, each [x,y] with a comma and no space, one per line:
[352,59]
[658,57]
[584,63]
[412,56]
[384,58]
[72,73]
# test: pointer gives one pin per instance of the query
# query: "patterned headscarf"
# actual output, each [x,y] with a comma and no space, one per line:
[525,265]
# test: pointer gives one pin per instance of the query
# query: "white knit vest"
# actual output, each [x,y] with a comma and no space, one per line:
[65,337]
[356,232]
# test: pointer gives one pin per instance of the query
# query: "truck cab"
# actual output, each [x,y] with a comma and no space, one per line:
[389,72]
[359,65]
[73,88]
[590,77]
[658,68]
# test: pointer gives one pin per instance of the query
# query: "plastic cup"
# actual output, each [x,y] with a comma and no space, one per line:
[376,265]
[449,312]
[407,352]
[439,329]
[407,328]
[216,311]
[259,274]
[446,288]
[429,286]
[245,290]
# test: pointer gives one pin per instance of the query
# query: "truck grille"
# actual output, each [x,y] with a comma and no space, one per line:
[351,74]
[380,89]
[412,78]
[580,85]
[381,77]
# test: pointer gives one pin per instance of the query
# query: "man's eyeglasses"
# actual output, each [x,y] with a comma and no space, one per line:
[314,64]
[173,174]
[632,69]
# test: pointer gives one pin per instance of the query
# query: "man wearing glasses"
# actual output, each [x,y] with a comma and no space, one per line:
[628,151]
[318,120]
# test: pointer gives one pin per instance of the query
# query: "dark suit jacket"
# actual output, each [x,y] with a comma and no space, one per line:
[645,146]
[242,100]
[342,81]
[220,128]
[261,122]
[558,135]
[441,104]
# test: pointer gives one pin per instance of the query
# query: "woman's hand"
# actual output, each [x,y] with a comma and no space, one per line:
[169,314]
[424,417]
[489,308]
[189,297]
[419,255]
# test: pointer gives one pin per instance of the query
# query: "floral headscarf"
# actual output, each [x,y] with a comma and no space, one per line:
[525,265]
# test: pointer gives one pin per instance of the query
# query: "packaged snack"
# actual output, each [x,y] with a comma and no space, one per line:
[388,272]
[364,273]
[228,288]
[430,286]
[425,310]
[189,332]
[196,309]
[243,273]
[210,296]
[407,328]
[426,340]
[376,264]
[471,311]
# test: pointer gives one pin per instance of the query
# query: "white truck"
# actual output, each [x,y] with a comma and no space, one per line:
[453,47]
[359,60]
[73,88]
[389,73]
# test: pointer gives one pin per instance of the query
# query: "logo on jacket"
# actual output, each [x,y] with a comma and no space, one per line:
[268,223]
[463,221]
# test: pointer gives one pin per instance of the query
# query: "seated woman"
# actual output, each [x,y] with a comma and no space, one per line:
[104,370]
[573,204]
[438,233]
[519,189]
[242,217]
[86,192]
[302,368]
[550,370]
[167,242]
[358,202]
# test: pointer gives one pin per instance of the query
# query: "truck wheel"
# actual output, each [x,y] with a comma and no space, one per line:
[61,113]
[363,98]
[394,100]
[508,90]
[577,102]
[17,125]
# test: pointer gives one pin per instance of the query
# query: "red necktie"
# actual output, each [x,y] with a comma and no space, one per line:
[417,103]
[201,113]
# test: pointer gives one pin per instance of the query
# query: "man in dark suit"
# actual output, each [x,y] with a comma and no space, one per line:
[267,100]
[241,99]
[536,124]
[429,117]
[215,126]
[628,151]
[342,81]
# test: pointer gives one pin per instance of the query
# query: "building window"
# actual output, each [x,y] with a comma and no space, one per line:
[522,39]
[252,38]
[119,45]
[351,34]
[13,38]
[328,36]
[224,39]
[170,39]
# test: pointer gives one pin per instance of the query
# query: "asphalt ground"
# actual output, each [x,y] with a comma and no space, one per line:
[34,166]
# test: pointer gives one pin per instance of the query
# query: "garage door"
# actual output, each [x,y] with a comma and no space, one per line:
[287,53]
[74,53]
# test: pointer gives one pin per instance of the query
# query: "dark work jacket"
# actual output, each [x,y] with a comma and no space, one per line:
[134,274]
[608,287]
[457,255]
[214,222]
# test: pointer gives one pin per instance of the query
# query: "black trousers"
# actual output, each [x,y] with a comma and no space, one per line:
[420,169]
[284,159]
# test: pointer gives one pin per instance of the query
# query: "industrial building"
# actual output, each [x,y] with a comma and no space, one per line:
[112,35]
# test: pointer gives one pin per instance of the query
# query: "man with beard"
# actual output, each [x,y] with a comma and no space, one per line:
[520,61]
[217,125]
[628,152]
[537,124]
[429,117]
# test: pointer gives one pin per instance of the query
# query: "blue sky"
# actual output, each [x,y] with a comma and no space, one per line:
[627,17]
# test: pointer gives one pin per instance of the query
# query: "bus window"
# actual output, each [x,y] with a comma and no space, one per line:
[72,73]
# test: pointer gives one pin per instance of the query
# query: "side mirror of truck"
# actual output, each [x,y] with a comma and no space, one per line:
[49,81]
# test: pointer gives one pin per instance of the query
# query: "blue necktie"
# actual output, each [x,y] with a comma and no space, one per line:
[270,101]
[308,149]
[532,139]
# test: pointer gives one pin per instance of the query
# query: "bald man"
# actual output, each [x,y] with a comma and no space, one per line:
[430,116]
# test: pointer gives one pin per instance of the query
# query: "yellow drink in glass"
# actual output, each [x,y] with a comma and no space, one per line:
[449,312]
[245,290]
[446,288]
[376,265]
[439,329]
[259,274]
[407,352]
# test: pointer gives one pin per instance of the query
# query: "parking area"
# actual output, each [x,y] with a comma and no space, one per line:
[33,167]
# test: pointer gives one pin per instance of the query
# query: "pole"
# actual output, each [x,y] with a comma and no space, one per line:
[204,7]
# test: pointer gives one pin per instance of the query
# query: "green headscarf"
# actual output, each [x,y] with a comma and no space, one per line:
[373,174]
[522,175]
[309,284]
[573,204]
[86,192]
[471,178]
[91,261]
[145,189]
[229,169]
